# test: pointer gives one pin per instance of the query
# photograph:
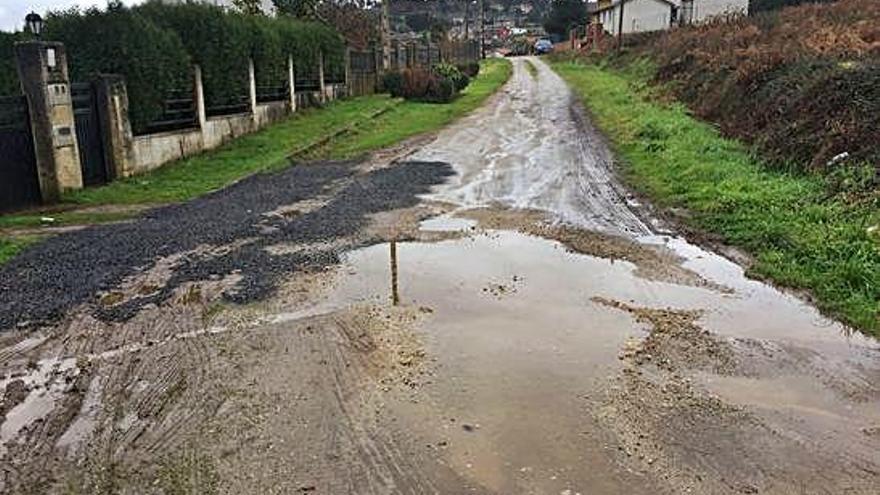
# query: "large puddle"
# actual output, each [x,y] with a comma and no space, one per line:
[525,349]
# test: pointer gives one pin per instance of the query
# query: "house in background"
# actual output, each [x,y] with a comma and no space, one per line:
[641,16]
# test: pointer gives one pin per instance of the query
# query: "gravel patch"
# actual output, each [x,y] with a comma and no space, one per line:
[47,280]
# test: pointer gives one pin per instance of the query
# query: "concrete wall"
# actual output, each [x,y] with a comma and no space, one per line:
[639,16]
[151,151]
[704,9]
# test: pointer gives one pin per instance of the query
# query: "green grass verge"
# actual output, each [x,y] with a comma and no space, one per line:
[11,246]
[412,118]
[798,235]
[533,71]
[263,150]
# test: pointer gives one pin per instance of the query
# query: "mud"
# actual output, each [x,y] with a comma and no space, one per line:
[525,328]
[701,438]
[653,262]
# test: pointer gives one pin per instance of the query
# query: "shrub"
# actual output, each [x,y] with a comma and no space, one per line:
[392,82]
[416,83]
[439,85]
[448,71]
[152,60]
[470,69]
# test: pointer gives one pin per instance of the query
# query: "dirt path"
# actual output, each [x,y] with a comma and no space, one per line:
[525,327]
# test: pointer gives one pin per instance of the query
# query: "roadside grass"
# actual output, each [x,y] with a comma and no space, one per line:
[11,246]
[341,129]
[533,71]
[798,235]
[412,118]
[264,150]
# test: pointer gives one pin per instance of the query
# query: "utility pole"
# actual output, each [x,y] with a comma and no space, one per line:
[620,27]
[386,35]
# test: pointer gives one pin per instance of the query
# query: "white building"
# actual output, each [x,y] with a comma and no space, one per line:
[641,16]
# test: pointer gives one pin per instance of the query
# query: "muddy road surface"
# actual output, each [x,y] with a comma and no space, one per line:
[485,311]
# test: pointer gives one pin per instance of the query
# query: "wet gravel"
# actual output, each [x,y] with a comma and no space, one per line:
[50,278]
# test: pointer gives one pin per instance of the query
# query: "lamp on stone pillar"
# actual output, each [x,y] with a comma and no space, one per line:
[34,23]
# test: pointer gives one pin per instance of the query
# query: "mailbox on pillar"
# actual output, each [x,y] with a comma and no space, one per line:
[42,68]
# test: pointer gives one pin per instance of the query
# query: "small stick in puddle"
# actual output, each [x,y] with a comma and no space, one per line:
[395,295]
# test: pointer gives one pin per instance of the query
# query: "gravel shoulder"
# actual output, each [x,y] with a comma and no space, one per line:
[311,203]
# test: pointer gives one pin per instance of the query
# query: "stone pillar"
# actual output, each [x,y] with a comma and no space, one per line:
[322,86]
[291,83]
[113,114]
[199,97]
[252,88]
[42,69]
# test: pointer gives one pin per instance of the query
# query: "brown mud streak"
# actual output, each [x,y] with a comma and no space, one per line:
[698,443]
[652,262]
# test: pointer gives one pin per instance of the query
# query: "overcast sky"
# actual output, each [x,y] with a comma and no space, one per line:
[12,12]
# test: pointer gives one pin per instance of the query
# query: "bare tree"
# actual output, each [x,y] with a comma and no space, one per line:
[356,20]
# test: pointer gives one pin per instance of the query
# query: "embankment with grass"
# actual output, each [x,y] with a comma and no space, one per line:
[799,234]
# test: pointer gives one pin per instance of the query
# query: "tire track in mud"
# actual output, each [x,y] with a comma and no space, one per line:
[382,466]
[339,373]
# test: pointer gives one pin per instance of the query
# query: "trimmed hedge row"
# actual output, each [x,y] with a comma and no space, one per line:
[8,73]
[117,41]
[154,46]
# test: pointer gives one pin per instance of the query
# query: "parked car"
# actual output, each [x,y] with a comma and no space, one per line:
[543,46]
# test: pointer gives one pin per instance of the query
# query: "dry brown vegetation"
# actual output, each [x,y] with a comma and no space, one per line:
[802,84]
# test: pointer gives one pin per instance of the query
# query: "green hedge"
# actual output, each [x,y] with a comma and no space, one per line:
[8,72]
[305,41]
[118,41]
[154,46]
[218,42]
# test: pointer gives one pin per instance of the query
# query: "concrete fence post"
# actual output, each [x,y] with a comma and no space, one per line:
[349,90]
[291,83]
[199,97]
[252,88]
[377,67]
[323,87]
[42,70]
[113,115]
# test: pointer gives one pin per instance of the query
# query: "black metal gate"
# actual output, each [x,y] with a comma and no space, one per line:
[88,134]
[19,185]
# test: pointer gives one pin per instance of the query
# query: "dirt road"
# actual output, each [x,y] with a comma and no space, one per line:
[386,326]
